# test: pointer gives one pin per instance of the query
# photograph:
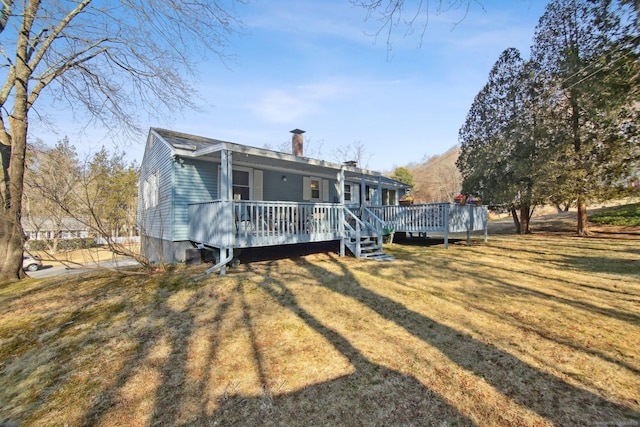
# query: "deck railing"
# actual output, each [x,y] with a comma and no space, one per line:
[415,218]
[467,218]
[245,223]
[248,223]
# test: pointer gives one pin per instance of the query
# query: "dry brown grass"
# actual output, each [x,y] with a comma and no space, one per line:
[533,330]
[84,257]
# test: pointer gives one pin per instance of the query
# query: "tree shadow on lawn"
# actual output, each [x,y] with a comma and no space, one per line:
[390,396]
[372,395]
[164,322]
[386,396]
[608,265]
[501,290]
[405,240]
[541,392]
[514,289]
[67,341]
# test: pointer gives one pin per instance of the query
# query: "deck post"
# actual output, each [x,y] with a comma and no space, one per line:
[226,174]
[363,193]
[486,233]
[486,227]
[341,212]
[226,190]
[469,224]
[446,225]
[223,255]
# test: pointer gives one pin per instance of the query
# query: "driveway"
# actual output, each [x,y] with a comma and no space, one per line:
[61,270]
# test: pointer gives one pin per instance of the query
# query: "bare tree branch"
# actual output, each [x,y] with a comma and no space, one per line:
[392,14]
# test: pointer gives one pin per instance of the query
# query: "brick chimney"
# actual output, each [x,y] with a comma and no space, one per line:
[296,142]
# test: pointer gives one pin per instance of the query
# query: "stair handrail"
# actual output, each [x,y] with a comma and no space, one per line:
[369,215]
[359,223]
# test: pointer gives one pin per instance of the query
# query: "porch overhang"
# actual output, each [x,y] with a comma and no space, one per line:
[209,149]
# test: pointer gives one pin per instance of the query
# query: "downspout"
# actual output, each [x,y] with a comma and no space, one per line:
[224,259]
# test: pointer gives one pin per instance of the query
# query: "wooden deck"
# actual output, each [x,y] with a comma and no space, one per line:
[242,224]
[433,217]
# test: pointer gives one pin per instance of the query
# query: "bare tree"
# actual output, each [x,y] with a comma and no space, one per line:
[50,180]
[411,15]
[113,59]
[356,152]
[437,178]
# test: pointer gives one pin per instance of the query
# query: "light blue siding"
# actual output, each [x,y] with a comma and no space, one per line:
[194,181]
[156,221]
[292,190]
[275,189]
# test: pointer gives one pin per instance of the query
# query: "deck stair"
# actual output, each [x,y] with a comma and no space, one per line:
[363,239]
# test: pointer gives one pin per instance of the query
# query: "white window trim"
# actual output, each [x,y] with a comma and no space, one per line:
[323,189]
[241,169]
[151,191]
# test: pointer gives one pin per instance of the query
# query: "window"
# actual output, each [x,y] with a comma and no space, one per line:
[246,184]
[150,191]
[315,189]
[241,185]
[347,192]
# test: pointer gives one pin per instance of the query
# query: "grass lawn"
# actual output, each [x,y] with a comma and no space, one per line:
[622,215]
[86,257]
[523,330]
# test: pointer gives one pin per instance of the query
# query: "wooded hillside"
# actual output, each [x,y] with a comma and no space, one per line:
[437,179]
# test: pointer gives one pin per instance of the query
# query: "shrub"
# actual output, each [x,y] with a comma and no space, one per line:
[63,244]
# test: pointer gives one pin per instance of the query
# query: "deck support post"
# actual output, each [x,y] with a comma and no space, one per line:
[470,223]
[226,190]
[226,175]
[363,194]
[340,178]
[486,231]
[223,255]
[446,225]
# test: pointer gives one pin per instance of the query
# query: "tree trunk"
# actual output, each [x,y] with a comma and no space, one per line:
[15,140]
[54,244]
[516,221]
[525,216]
[583,219]
[11,234]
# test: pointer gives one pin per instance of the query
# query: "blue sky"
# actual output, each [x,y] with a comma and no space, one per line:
[309,65]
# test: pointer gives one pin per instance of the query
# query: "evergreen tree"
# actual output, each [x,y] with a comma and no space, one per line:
[500,144]
[403,174]
[584,54]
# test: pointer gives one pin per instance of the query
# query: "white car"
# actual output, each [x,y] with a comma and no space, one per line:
[31,263]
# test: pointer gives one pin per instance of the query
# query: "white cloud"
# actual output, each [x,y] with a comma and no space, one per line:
[281,107]
[294,103]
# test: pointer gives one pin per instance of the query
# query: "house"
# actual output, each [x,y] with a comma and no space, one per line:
[203,193]
[48,228]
